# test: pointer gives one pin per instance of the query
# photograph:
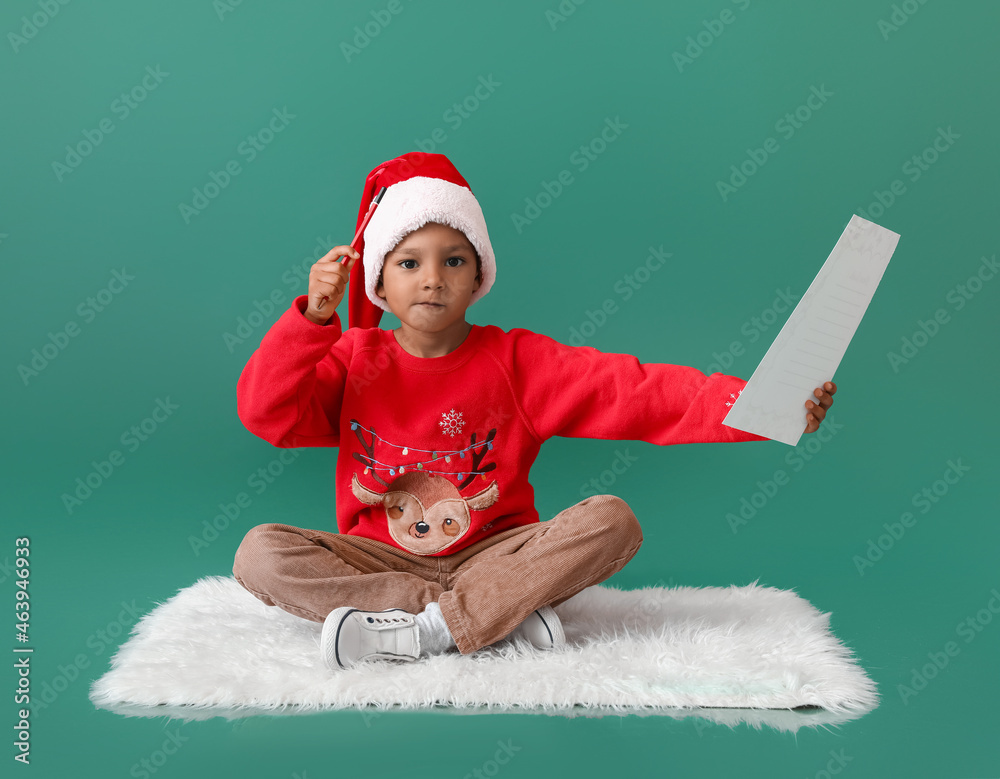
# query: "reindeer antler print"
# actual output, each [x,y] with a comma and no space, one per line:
[369,461]
[477,458]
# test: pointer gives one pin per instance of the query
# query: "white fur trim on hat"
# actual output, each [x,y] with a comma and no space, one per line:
[409,205]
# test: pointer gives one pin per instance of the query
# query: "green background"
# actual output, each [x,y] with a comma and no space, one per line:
[64,232]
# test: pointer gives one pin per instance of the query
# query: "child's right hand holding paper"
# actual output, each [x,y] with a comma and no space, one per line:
[327,283]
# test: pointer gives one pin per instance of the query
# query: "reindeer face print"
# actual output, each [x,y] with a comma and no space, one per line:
[425,515]
[425,512]
[425,529]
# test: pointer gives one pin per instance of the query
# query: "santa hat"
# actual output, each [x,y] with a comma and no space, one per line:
[420,188]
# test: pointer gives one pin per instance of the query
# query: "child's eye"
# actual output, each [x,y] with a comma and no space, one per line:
[410,267]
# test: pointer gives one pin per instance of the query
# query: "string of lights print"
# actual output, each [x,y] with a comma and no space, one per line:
[372,464]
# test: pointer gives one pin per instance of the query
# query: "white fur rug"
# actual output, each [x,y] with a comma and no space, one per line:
[726,654]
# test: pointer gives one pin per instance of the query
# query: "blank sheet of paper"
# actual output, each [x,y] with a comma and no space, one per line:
[807,351]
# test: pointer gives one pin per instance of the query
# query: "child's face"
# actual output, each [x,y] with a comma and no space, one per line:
[435,263]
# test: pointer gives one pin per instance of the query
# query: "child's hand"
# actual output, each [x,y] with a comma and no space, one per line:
[817,413]
[328,282]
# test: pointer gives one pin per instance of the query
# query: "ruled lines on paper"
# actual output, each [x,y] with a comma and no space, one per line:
[808,349]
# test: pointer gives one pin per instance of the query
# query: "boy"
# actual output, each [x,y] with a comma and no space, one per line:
[437,423]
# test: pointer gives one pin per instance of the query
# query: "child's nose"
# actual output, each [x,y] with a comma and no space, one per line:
[432,277]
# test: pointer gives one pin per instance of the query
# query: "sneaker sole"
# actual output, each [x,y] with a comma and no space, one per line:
[330,637]
[553,625]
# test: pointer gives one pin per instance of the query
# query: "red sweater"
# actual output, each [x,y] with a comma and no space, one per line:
[435,452]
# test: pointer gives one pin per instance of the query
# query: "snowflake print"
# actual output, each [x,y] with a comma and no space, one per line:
[734,397]
[452,423]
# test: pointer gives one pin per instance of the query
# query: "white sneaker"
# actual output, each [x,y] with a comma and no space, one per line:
[542,629]
[351,636]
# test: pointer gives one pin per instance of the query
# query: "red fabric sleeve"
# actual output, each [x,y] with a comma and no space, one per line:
[578,391]
[290,391]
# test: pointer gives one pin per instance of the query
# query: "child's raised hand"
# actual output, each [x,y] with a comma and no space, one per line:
[328,282]
[817,412]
